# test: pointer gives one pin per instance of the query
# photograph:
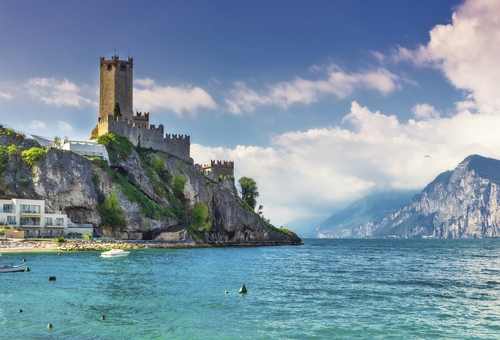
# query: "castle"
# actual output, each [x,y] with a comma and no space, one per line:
[116,115]
[116,112]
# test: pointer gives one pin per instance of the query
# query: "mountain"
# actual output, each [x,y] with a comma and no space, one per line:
[463,203]
[304,226]
[363,214]
[139,194]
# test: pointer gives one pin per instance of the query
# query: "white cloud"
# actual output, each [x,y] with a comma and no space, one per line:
[65,126]
[5,95]
[37,125]
[335,82]
[424,111]
[306,172]
[58,93]
[149,96]
[467,52]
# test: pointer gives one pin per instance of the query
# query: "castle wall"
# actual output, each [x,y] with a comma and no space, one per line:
[116,86]
[150,137]
[219,169]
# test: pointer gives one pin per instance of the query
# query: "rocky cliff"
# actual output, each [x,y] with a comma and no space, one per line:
[160,196]
[463,203]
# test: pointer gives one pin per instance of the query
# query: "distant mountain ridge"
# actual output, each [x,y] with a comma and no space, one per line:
[363,213]
[462,203]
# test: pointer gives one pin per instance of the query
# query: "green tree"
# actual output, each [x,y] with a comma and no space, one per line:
[59,142]
[248,190]
[117,112]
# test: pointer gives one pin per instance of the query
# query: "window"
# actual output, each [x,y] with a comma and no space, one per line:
[29,221]
[11,220]
[48,221]
[59,221]
[30,209]
[7,208]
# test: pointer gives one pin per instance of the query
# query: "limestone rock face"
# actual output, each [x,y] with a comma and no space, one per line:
[463,203]
[71,183]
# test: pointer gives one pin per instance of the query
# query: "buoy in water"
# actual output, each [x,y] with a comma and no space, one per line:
[52,278]
[226,292]
[49,325]
[27,269]
[20,311]
[103,317]
[243,289]
[58,254]
[24,260]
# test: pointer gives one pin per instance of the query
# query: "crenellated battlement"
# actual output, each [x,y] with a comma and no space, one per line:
[219,164]
[141,115]
[218,169]
[115,61]
[147,136]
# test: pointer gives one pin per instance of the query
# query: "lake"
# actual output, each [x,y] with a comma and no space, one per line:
[325,289]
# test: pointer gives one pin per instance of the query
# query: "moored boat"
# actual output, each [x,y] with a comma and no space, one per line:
[5,268]
[115,253]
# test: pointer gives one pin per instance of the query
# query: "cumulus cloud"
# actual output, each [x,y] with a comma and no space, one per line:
[304,172]
[65,126]
[37,125]
[335,81]
[58,93]
[5,95]
[466,51]
[149,96]
[424,111]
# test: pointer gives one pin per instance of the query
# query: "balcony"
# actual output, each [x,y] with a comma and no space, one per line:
[29,212]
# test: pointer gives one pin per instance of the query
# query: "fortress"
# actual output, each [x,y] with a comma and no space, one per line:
[116,115]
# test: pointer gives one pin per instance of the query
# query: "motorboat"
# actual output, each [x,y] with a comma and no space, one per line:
[115,253]
[5,268]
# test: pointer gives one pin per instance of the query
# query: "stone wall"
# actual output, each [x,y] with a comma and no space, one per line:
[150,137]
[219,169]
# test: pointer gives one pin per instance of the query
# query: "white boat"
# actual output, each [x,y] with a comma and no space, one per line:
[5,268]
[115,253]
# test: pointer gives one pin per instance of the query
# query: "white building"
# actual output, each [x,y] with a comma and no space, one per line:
[31,217]
[86,148]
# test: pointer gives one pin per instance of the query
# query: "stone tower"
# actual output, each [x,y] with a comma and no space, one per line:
[116,87]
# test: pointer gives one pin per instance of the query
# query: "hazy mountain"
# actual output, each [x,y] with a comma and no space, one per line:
[305,227]
[363,213]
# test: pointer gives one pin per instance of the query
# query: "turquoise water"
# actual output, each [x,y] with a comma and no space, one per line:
[325,289]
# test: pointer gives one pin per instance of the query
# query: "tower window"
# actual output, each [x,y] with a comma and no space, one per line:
[109,67]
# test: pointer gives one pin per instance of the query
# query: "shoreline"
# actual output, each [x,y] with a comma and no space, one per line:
[25,246]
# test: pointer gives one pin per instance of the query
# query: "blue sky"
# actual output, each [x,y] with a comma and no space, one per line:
[321,102]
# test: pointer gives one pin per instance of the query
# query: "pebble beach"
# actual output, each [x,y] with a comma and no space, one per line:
[18,246]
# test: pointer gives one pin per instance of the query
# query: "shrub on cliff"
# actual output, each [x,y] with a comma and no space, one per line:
[118,147]
[111,213]
[179,184]
[199,220]
[33,155]
[4,158]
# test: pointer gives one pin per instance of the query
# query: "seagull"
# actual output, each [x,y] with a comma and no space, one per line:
[427,156]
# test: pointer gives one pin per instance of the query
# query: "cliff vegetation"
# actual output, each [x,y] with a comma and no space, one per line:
[139,194]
